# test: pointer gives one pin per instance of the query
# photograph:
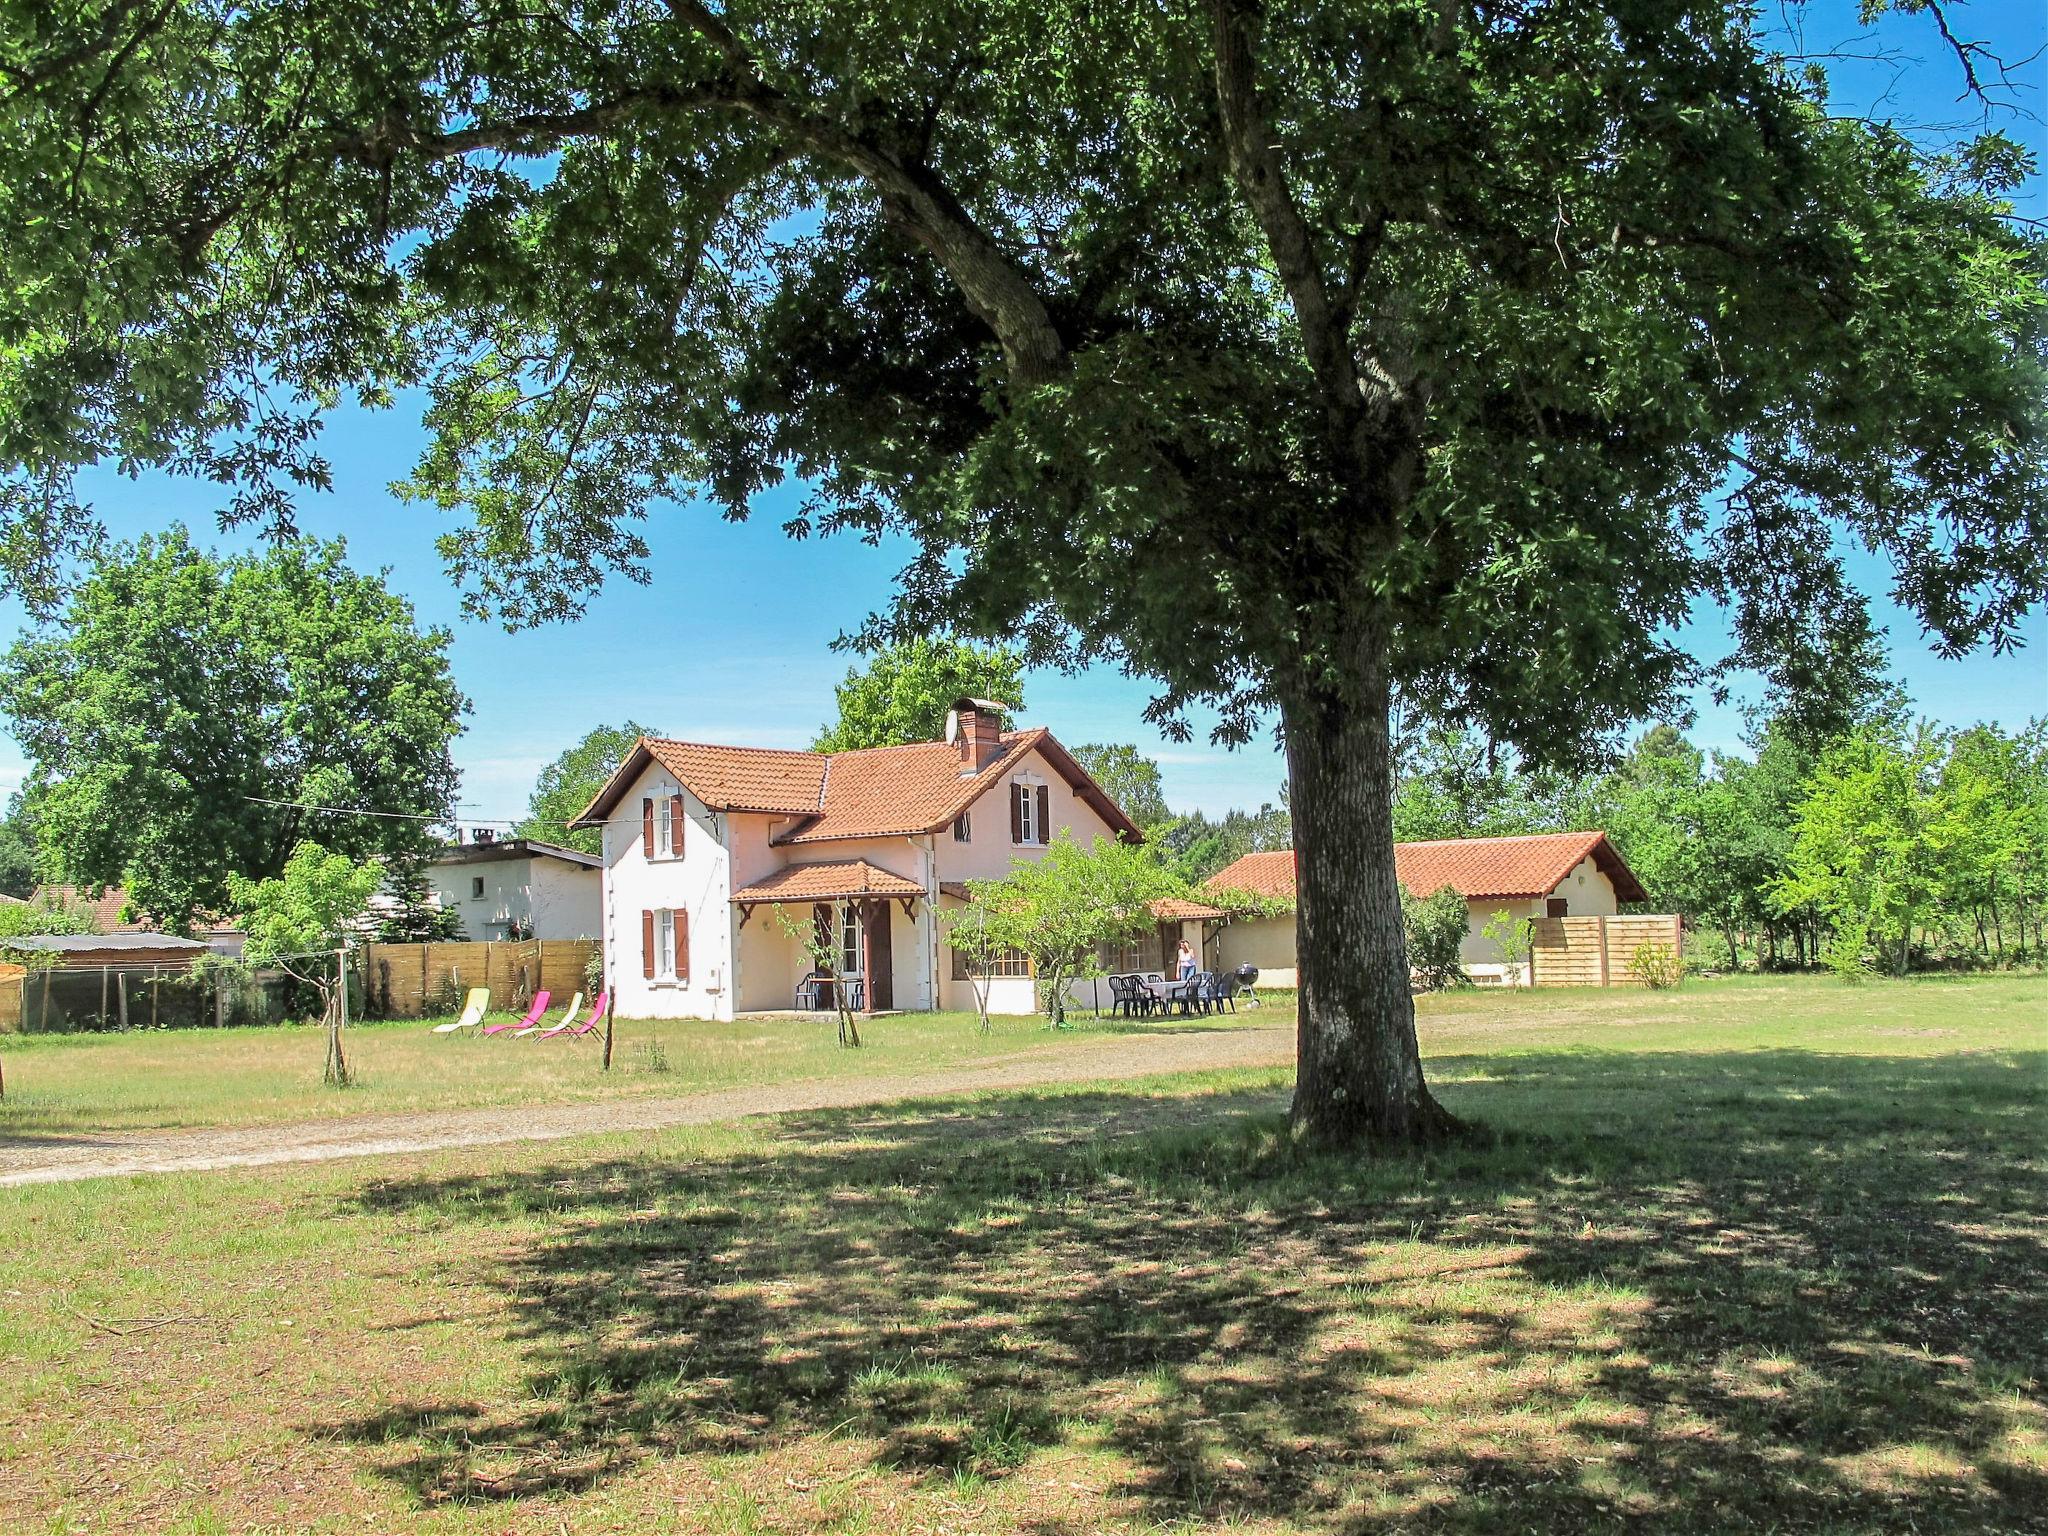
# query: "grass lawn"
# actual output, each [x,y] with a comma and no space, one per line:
[158,1079]
[1766,1257]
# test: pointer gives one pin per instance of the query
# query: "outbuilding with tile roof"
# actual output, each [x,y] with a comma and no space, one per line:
[1541,875]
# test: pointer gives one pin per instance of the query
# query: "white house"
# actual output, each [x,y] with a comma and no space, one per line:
[1551,874]
[705,845]
[518,887]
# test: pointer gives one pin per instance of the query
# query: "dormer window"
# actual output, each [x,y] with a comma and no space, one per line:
[963,828]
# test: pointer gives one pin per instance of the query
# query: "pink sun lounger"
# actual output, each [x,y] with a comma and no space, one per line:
[569,1026]
[540,1006]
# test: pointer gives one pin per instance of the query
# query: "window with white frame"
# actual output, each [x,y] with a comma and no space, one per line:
[1011,962]
[851,950]
[1027,813]
[664,818]
[665,944]
[1121,959]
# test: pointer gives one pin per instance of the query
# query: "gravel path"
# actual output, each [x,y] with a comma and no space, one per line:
[59,1158]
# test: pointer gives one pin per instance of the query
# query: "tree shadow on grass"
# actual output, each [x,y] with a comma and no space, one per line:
[1778,1290]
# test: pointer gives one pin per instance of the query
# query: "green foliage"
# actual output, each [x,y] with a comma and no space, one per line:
[905,690]
[293,919]
[45,917]
[19,871]
[296,918]
[1435,926]
[1513,936]
[1059,907]
[1846,954]
[1129,778]
[1656,966]
[1889,827]
[1211,343]
[1198,847]
[35,919]
[187,707]
[572,781]
[414,916]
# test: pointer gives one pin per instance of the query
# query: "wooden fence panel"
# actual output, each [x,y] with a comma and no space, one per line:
[1625,935]
[410,981]
[1594,951]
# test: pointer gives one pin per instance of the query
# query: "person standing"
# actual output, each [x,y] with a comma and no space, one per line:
[1185,963]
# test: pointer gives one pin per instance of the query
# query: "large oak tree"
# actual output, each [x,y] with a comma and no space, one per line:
[1295,357]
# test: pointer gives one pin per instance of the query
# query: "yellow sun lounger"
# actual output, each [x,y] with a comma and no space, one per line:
[473,1009]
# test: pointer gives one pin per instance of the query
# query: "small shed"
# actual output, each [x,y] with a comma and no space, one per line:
[107,980]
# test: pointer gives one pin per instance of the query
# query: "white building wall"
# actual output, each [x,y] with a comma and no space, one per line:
[697,882]
[566,900]
[506,899]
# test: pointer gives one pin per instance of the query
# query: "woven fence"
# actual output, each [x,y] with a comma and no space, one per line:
[413,981]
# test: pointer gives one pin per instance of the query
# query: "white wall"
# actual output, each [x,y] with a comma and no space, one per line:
[568,900]
[698,882]
[1586,892]
[550,897]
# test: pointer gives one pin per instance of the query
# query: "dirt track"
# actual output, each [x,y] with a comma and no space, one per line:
[85,1155]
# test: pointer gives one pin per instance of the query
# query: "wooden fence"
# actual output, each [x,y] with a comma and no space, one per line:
[1595,951]
[410,981]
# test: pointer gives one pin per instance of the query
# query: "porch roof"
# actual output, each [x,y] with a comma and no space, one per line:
[1171,909]
[833,880]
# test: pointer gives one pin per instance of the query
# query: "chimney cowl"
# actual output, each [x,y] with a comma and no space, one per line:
[976,729]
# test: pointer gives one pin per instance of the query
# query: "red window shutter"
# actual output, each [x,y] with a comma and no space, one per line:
[647,945]
[682,945]
[647,827]
[1044,814]
[1017,793]
[675,824]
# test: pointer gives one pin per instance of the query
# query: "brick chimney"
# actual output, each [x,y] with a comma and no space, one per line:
[977,732]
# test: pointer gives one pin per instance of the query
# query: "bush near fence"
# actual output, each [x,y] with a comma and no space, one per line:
[413,981]
[1594,951]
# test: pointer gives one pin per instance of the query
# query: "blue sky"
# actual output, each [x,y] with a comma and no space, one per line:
[732,640]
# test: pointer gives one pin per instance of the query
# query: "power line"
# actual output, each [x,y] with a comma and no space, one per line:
[495,821]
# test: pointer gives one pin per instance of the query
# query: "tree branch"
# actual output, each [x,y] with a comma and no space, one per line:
[1255,162]
[995,288]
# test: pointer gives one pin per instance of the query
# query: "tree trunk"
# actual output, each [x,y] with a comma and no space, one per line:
[1358,1076]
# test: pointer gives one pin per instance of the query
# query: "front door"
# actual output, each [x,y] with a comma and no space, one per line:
[880,962]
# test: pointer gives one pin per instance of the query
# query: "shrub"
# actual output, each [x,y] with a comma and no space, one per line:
[1847,951]
[1435,926]
[1513,937]
[1656,966]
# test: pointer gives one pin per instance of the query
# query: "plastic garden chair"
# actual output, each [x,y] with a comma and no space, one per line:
[539,1027]
[473,1009]
[540,1006]
[569,1026]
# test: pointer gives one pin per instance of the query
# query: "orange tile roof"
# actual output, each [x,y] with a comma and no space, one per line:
[1476,867]
[105,907]
[744,778]
[830,881]
[1257,874]
[873,792]
[1171,909]
[901,791]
